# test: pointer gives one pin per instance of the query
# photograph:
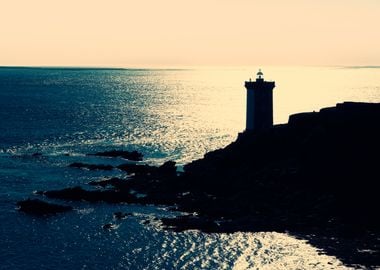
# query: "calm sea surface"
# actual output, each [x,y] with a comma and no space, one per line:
[166,114]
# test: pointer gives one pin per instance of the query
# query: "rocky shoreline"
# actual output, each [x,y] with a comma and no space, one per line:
[315,177]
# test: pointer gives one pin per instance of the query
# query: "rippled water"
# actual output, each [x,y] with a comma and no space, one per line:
[166,114]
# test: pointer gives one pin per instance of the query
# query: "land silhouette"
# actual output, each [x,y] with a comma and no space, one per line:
[315,177]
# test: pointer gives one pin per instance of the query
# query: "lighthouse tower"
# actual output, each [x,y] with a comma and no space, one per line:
[259,103]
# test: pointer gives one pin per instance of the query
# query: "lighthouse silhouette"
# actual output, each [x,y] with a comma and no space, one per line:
[259,103]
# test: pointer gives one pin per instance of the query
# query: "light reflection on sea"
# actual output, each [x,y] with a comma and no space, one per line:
[166,114]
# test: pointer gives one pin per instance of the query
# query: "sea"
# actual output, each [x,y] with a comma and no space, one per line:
[64,113]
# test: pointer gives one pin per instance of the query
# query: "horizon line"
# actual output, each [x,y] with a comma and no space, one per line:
[173,67]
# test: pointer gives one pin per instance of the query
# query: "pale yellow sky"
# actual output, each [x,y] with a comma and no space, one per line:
[197,32]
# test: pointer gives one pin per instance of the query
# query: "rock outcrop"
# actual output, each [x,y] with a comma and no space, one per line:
[41,208]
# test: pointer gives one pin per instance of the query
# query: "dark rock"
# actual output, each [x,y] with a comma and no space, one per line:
[80,194]
[136,168]
[114,181]
[38,207]
[91,167]
[133,155]
[168,168]
[121,215]
[109,226]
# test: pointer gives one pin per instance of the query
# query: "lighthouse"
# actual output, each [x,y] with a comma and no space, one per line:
[259,103]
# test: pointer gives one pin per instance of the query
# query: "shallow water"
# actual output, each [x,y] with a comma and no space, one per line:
[166,114]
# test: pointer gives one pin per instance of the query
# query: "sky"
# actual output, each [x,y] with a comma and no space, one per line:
[148,33]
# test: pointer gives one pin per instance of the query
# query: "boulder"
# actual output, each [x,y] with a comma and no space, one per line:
[38,207]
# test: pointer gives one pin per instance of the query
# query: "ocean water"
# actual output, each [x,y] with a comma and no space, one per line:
[167,114]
